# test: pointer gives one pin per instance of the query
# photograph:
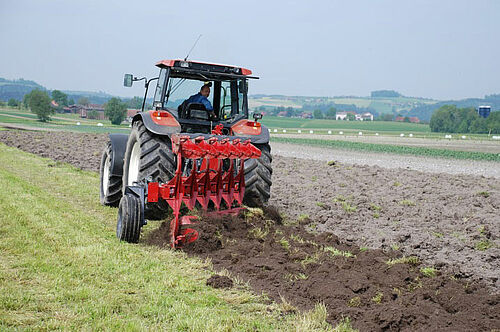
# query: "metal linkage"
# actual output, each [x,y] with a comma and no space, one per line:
[208,183]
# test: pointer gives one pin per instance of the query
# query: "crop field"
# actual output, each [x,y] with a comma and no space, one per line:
[390,148]
[338,246]
[379,126]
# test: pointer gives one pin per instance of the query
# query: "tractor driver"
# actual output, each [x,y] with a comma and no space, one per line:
[202,98]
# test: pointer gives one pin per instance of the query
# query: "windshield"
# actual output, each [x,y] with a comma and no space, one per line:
[227,99]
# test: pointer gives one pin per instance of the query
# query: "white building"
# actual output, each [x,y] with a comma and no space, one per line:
[358,117]
[366,116]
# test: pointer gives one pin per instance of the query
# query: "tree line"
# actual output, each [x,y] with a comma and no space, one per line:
[451,119]
[40,103]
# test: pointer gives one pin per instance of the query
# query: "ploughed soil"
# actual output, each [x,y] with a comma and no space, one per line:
[372,287]
[337,234]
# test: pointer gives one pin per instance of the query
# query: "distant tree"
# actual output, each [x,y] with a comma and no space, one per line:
[12,102]
[83,101]
[71,101]
[386,117]
[406,119]
[331,113]
[479,126]
[350,117]
[60,97]
[135,103]
[317,114]
[2,103]
[115,110]
[93,114]
[451,119]
[385,93]
[39,103]
[26,100]
[441,120]
[493,123]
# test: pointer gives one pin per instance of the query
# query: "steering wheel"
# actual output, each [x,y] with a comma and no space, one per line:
[222,109]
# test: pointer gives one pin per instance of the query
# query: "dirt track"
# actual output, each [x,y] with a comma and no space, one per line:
[393,161]
[444,219]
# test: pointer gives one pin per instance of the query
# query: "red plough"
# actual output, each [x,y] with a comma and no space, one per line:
[209,179]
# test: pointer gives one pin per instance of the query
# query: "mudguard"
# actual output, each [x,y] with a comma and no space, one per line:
[258,134]
[118,146]
[263,138]
[166,124]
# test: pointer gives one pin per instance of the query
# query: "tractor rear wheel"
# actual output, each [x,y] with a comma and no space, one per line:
[111,185]
[148,156]
[128,227]
[258,174]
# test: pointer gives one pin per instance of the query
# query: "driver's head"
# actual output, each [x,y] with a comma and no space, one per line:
[205,90]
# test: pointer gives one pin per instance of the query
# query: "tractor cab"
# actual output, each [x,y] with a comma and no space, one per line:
[180,80]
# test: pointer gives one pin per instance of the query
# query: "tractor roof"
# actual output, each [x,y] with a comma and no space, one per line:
[203,70]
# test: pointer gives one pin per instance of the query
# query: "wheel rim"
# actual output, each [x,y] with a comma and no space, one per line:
[133,166]
[105,176]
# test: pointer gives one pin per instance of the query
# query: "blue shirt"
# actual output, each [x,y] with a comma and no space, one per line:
[200,99]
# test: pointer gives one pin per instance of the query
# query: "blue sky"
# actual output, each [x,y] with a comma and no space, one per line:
[436,49]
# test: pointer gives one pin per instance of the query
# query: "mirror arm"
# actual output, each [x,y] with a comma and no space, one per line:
[146,85]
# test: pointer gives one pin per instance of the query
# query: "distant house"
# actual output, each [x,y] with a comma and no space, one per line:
[412,119]
[307,115]
[282,113]
[75,109]
[341,116]
[357,117]
[367,116]
[54,104]
[97,109]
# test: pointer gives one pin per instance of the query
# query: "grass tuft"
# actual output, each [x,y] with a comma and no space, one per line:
[335,252]
[407,202]
[429,272]
[378,297]
[484,194]
[483,245]
[348,207]
[411,260]
[354,302]
[284,243]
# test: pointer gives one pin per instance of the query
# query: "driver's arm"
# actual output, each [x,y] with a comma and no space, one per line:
[208,107]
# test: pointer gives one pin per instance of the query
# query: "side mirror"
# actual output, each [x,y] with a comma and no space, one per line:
[257,116]
[127,80]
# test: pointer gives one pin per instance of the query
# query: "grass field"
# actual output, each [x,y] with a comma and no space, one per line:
[388,148]
[66,122]
[61,266]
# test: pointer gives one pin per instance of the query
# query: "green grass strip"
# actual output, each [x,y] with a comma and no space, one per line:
[387,148]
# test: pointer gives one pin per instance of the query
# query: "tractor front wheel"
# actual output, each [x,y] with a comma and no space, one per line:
[128,227]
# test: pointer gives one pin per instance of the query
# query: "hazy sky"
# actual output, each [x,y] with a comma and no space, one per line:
[436,49]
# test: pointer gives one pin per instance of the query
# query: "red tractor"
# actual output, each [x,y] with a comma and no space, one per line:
[185,150]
